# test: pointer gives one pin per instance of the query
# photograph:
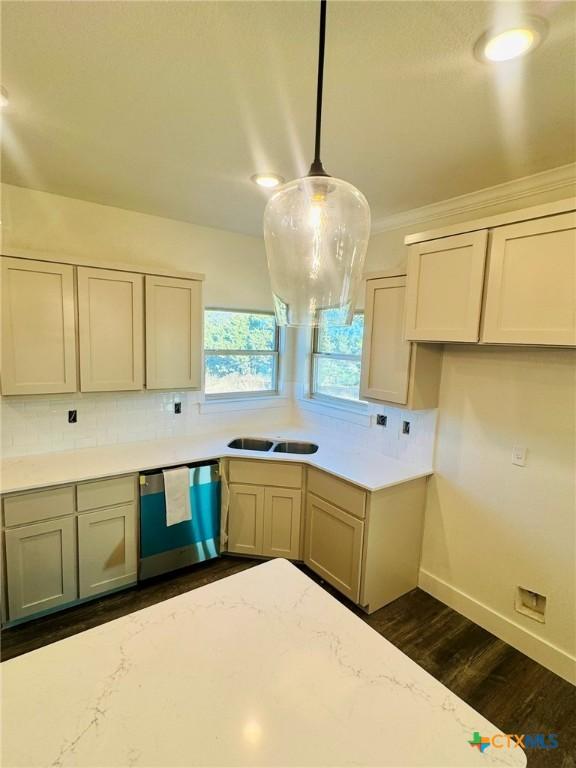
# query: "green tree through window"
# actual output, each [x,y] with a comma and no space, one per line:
[241,352]
[336,358]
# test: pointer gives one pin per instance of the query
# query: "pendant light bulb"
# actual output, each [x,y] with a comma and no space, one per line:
[316,232]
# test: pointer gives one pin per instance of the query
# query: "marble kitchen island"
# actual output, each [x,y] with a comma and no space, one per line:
[261,668]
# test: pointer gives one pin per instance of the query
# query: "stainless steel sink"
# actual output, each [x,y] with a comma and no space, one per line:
[251,444]
[293,446]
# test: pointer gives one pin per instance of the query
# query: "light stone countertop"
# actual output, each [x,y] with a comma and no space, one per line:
[262,668]
[369,469]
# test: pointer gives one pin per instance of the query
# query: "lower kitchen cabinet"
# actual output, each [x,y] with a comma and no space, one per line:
[40,566]
[245,519]
[281,529]
[67,543]
[333,546]
[107,555]
[265,519]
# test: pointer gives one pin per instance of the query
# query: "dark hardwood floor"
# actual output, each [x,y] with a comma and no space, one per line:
[508,688]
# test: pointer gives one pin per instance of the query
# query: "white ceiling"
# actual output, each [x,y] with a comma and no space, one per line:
[169,107]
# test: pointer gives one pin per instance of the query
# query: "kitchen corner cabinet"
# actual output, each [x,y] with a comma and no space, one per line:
[367,545]
[333,546]
[173,333]
[67,543]
[265,509]
[444,290]
[111,330]
[394,370]
[38,327]
[531,286]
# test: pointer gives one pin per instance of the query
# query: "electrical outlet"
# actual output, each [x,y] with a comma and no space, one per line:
[405,427]
[530,604]
[519,453]
[381,420]
[72,417]
[177,407]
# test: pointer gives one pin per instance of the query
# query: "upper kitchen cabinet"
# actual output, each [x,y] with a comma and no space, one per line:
[444,290]
[111,330]
[529,294]
[38,327]
[531,286]
[173,333]
[394,370]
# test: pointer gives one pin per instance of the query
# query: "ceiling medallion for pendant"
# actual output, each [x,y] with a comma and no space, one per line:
[316,232]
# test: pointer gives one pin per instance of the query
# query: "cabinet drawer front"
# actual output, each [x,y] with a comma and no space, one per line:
[38,327]
[530,291]
[339,492]
[245,519]
[444,289]
[265,473]
[23,508]
[333,546]
[111,330]
[41,566]
[107,550]
[106,493]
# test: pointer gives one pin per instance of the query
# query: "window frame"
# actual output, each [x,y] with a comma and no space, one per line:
[275,354]
[315,356]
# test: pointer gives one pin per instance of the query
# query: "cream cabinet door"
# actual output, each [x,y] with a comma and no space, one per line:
[333,545]
[38,327]
[111,320]
[444,288]
[531,287]
[107,553]
[385,353]
[173,333]
[40,566]
[245,519]
[281,531]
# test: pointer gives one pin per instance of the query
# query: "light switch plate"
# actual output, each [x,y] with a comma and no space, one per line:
[519,453]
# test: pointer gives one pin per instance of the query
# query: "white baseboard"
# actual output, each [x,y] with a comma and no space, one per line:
[558,661]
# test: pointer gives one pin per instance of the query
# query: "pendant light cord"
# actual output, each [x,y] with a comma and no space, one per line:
[316,168]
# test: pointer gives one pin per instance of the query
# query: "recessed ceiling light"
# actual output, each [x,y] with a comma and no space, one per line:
[503,44]
[268,180]
[4,101]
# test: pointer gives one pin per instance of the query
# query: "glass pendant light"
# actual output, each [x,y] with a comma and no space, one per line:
[316,233]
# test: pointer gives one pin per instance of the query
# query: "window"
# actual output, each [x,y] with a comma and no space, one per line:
[336,353]
[240,352]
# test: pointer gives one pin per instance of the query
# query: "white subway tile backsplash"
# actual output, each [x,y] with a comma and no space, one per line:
[32,425]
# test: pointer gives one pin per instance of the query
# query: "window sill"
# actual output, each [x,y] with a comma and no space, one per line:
[243,403]
[357,413]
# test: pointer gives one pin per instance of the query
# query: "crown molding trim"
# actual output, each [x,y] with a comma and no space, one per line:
[545,181]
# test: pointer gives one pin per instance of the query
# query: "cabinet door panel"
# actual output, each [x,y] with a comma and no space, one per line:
[38,327]
[531,287]
[281,532]
[107,553]
[245,519]
[173,333]
[40,566]
[444,289]
[110,310]
[333,546]
[385,353]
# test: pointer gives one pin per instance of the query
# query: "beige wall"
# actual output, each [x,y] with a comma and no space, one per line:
[491,526]
[234,265]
